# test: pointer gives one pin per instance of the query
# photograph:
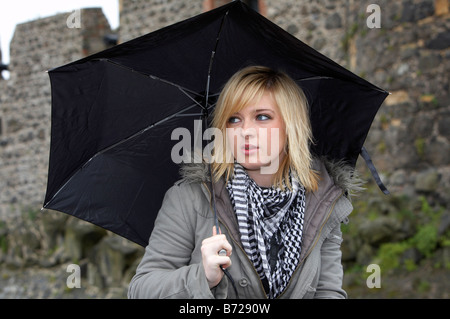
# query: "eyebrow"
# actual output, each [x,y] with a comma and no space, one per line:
[264,110]
[258,110]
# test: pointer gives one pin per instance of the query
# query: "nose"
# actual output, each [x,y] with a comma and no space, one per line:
[247,129]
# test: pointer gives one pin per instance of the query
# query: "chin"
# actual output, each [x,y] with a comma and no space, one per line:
[251,166]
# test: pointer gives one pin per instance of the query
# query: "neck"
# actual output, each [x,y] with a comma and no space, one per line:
[263,180]
[266,179]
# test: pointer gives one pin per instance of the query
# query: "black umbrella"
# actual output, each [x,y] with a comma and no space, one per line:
[113,112]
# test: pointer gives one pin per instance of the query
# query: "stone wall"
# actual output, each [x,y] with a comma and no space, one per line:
[36,47]
[141,17]
[409,56]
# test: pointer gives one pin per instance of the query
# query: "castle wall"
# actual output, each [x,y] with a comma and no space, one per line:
[25,102]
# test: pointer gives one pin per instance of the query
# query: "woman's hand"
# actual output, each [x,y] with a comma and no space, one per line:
[211,259]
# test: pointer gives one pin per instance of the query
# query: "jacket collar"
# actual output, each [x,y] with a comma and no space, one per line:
[336,180]
[338,174]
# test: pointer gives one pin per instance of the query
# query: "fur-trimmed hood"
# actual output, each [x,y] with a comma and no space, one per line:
[343,176]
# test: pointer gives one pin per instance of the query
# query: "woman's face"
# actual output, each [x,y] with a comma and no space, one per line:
[257,135]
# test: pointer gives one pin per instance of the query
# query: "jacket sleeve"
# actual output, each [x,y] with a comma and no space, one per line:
[165,270]
[331,270]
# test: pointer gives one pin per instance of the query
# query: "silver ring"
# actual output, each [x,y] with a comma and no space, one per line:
[222,252]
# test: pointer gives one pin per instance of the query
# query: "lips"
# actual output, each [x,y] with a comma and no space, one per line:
[249,148]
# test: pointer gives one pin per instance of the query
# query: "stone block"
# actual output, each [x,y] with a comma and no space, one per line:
[427,181]
[80,238]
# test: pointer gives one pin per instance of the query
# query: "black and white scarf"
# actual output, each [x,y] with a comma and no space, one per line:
[271,226]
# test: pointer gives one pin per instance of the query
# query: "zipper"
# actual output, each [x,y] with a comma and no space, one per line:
[314,244]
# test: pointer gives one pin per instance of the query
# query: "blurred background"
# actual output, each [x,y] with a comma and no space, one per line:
[406,233]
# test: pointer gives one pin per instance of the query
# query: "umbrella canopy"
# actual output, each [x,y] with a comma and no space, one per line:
[113,112]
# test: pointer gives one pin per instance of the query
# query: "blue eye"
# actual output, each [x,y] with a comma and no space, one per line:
[263,117]
[233,120]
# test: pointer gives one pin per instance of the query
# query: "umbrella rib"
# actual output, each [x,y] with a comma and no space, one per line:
[195,114]
[177,114]
[184,90]
[141,132]
[197,102]
[314,78]
[211,61]
[331,78]
[153,77]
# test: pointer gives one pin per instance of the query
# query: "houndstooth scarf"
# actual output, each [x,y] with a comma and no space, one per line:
[271,225]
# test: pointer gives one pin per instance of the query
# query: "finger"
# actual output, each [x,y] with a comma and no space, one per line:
[226,245]
[216,239]
[215,231]
[225,262]
[225,252]
[212,245]
[222,252]
[220,261]
[216,243]
[223,246]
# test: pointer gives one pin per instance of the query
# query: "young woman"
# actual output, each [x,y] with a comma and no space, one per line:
[279,208]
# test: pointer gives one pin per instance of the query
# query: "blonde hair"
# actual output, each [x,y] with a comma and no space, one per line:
[244,87]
